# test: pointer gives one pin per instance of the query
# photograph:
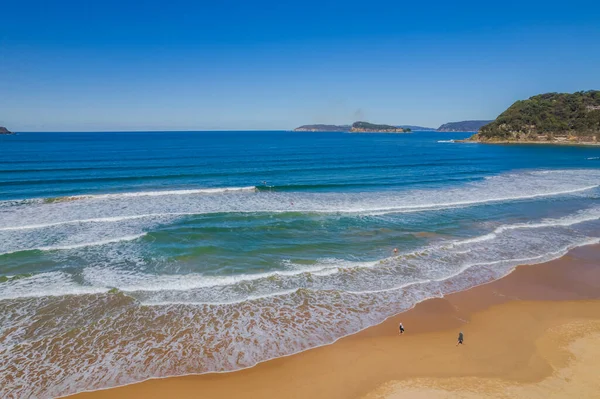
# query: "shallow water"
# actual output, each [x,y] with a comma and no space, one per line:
[125,256]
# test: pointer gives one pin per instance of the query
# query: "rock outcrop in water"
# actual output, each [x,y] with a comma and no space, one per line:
[4,130]
[556,118]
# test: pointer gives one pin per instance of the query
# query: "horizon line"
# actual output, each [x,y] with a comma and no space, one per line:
[181,131]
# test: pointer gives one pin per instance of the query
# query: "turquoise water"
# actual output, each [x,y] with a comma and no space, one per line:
[125,256]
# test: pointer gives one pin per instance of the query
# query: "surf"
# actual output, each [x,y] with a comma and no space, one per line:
[177,236]
[326,270]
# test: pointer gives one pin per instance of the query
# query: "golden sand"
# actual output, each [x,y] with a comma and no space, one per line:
[572,350]
[534,333]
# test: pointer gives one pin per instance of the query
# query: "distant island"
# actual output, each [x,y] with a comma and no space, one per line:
[356,127]
[417,128]
[366,127]
[464,126]
[323,128]
[4,130]
[560,118]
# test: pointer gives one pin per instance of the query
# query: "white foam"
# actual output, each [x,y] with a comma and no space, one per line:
[327,270]
[580,217]
[294,276]
[124,207]
[241,330]
[50,284]
[570,220]
[219,190]
[131,281]
[237,318]
[356,210]
[113,219]
[250,298]
[79,245]
[445,141]
[439,206]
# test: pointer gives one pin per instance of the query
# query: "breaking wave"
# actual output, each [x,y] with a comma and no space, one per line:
[111,265]
[150,194]
[434,262]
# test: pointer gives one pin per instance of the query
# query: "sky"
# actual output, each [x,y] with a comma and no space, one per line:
[75,65]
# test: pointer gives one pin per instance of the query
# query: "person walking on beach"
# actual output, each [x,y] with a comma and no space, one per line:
[401,327]
[461,338]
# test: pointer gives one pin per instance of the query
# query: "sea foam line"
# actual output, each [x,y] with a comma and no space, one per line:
[110,219]
[138,283]
[586,216]
[48,284]
[250,298]
[368,211]
[132,282]
[159,286]
[76,246]
[437,206]
[218,190]
[514,263]
[162,193]
[294,352]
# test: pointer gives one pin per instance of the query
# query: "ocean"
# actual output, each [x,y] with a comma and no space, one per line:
[128,256]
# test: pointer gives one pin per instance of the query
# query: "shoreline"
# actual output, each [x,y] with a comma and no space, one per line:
[561,143]
[324,372]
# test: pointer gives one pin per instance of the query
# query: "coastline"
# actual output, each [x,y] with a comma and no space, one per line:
[561,143]
[504,322]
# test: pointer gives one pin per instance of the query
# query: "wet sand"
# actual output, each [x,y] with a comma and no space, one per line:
[534,333]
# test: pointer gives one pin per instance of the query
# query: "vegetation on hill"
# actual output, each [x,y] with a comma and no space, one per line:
[463,126]
[323,128]
[416,128]
[358,127]
[548,117]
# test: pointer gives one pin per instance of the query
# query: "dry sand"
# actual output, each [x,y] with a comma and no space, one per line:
[534,333]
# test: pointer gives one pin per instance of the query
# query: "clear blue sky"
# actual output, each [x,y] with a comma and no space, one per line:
[119,65]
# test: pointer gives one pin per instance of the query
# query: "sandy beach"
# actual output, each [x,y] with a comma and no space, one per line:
[218,199]
[534,333]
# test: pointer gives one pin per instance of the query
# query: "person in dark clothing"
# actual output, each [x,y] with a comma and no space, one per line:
[401,328]
[461,338]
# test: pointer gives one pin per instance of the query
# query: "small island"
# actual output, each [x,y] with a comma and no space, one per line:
[555,118]
[323,128]
[4,130]
[366,127]
[415,128]
[463,126]
[356,127]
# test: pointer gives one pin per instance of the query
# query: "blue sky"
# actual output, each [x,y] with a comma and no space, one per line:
[186,65]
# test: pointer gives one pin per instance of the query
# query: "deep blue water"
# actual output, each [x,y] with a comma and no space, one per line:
[208,251]
[61,164]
